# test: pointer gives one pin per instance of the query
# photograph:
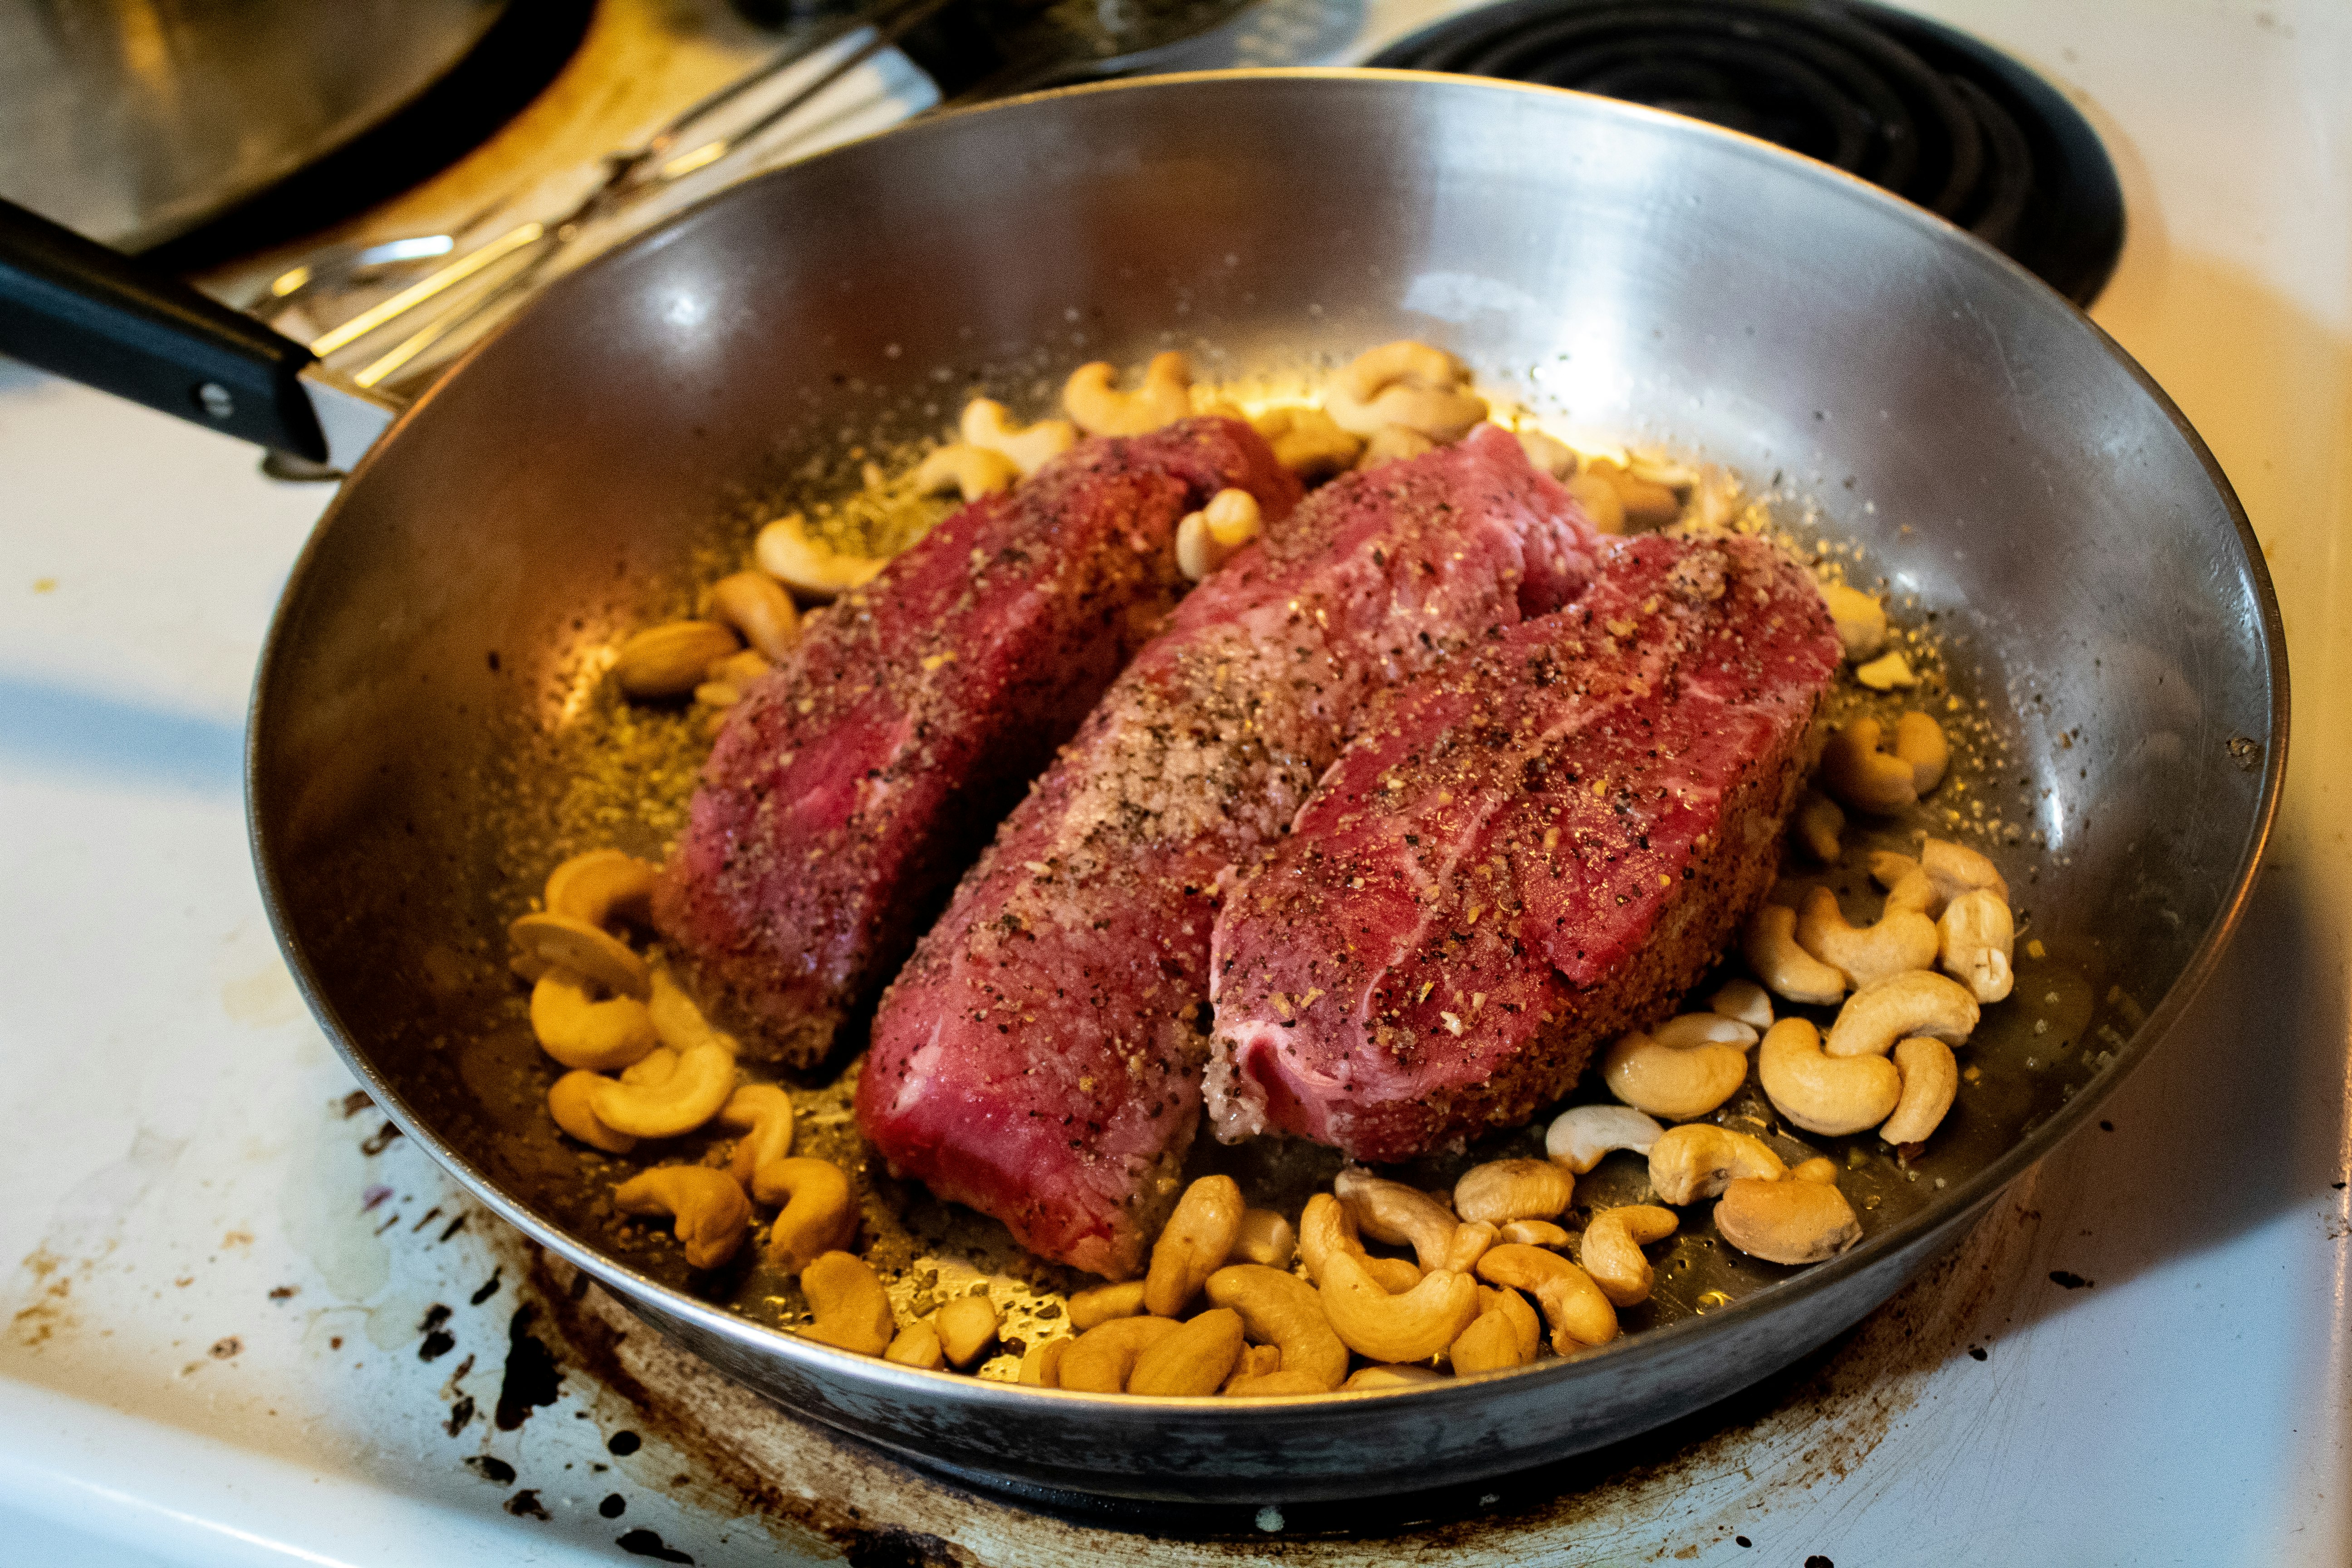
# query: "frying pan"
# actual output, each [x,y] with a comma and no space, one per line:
[1901,389]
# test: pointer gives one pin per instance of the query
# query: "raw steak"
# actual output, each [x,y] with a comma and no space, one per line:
[1528,851]
[1039,1057]
[857,778]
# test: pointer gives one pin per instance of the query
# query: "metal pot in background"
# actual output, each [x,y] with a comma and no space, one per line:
[134,121]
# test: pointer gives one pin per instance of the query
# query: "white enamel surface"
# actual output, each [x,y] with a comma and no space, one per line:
[176,1149]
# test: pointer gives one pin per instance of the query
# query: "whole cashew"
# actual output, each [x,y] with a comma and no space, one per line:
[1863,777]
[1092,1308]
[967,1326]
[1265,1237]
[1396,1214]
[678,1022]
[1977,944]
[691,1095]
[1413,1326]
[1819,1168]
[1581,1134]
[1504,1190]
[567,941]
[1686,1068]
[1919,1003]
[785,550]
[1100,409]
[656,1067]
[1547,453]
[986,424]
[1406,383]
[1491,1344]
[668,660]
[1611,1250]
[1041,1363]
[1523,1318]
[1580,1315]
[1192,1362]
[1745,1001]
[1206,539]
[819,1216]
[1391,443]
[1956,868]
[1309,442]
[918,1345]
[1830,1095]
[1471,1240]
[1197,1240]
[711,1212]
[603,886]
[1647,504]
[1385,1377]
[1816,824]
[756,605]
[601,1037]
[1100,1359]
[1787,1221]
[1697,1159]
[1325,1226]
[763,1113]
[1861,620]
[1535,1232]
[1768,942]
[1919,740]
[1902,940]
[1930,1078]
[1603,507]
[853,1313]
[970,471]
[567,1102]
[1281,1309]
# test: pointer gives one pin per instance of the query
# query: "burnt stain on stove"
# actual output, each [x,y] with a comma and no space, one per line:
[646,1543]
[525,1504]
[531,1378]
[379,1140]
[2067,1279]
[438,1340]
[491,1470]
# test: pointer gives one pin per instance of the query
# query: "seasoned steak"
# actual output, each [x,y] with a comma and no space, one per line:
[1528,851]
[1039,1057]
[857,778]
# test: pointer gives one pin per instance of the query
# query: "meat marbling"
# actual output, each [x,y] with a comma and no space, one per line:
[1527,852]
[1039,1057]
[856,779]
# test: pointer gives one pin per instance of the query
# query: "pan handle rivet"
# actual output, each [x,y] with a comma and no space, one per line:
[215,400]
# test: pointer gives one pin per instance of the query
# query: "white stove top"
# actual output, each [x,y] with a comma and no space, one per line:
[245,1327]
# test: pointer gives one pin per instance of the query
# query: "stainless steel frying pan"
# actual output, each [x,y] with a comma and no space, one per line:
[2001,463]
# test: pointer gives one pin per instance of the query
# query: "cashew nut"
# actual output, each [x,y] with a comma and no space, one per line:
[1861,620]
[1206,539]
[1919,1003]
[603,886]
[1956,868]
[1572,1304]
[1887,672]
[1863,777]
[1281,1309]
[917,1344]
[691,1095]
[1770,945]
[1930,1078]
[1379,1377]
[1581,1134]
[1891,870]
[1327,1226]
[1786,1222]
[967,1326]
[1647,504]
[655,1067]
[1914,892]
[1602,505]
[1819,1168]
[601,1037]
[1547,453]
[1504,1190]
[567,941]
[678,1022]
[1264,1237]
[712,1213]
[1978,939]
[1816,824]
[985,424]
[1307,441]
[1100,409]
[853,1313]
[1471,1239]
[668,660]
[764,1114]
[1524,1320]
[1395,1274]
[1398,1214]
[1919,740]
[786,551]
[1197,1240]
[1902,940]
[1092,1308]
[567,1102]
[1041,1363]
[1535,1232]
[1195,1360]
[1406,383]
[1393,443]
[1491,1344]
[1696,1160]
[970,471]
[1100,1359]
[1611,1252]
[1830,1095]
[1413,1326]
[819,1216]
[1686,1068]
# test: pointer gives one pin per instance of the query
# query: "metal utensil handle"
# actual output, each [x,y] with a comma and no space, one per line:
[80,311]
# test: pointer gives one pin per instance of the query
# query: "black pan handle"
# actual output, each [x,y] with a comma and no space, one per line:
[80,311]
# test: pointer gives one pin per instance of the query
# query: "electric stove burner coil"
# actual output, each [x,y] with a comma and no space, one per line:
[1931,114]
